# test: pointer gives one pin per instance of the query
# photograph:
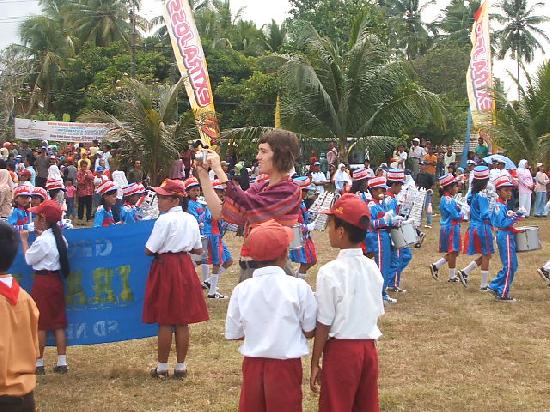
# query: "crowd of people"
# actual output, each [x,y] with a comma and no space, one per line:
[272,309]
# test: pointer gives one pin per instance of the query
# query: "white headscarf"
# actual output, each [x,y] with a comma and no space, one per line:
[341,175]
[5,179]
[522,164]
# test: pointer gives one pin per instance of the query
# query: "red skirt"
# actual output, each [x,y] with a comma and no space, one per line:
[49,294]
[173,294]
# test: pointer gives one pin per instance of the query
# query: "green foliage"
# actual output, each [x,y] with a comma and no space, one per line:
[458,20]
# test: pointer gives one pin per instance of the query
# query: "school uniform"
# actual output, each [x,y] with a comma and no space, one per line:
[47,290]
[506,242]
[103,217]
[214,229]
[478,239]
[400,258]
[449,234]
[349,301]
[271,311]
[307,254]
[128,213]
[198,211]
[378,240]
[20,219]
[173,294]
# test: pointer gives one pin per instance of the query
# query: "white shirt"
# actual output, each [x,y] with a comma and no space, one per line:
[349,296]
[402,159]
[43,254]
[318,177]
[7,280]
[271,311]
[449,159]
[417,152]
[120,180]
[174,231]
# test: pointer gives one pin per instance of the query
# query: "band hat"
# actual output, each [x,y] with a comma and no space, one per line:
[503,181]
[360,174]
[190,183]
[130,190]
[140,188]
[40,192]
[395,175]
[481,172]
[302,181]
[218,185]
[53,184]
[377,183]
[446,180]
[106,187]
[24,190]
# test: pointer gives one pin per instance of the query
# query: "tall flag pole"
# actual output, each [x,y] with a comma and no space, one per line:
[479,78]
[191,61]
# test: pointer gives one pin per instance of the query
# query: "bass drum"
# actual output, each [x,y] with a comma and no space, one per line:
[528,239]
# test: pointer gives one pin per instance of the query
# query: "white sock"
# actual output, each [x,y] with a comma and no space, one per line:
[547,266]
[61,360]
[484,278]
[40,362]
[471,266]
[302,275]
[181,366]
[440,263]
[222,270]
[452,273]
[162,367]
[213,283]
[205,270]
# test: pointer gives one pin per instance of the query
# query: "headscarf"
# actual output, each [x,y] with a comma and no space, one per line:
[341,175]
[5,179]
[522,164]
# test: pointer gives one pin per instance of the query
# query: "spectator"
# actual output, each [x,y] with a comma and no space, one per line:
[450,157]
[25,151]
[85,190]
[29,165]
[94,148]
[482,150]
[323,164]
[401,157]
[416,155]
[135,174]
[42,164]
[70,170]
[318,178]
[341,179]
[430,162]
[177,171]
[426,180]
[541,180]
[186,157]
[525,186]
[6,194]
[84,159]
[332,154]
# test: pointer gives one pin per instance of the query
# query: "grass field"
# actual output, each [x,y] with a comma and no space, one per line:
[444,348]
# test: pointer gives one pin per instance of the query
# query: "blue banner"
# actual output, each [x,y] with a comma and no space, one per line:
[105,289]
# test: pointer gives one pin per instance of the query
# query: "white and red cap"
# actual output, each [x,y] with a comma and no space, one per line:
[303,182]
[106,187]
[53,184]
[130,190]
[446,180]
[360,174]
[395,175]
[191,183]
[40,191]
[377,183]
[140,188]
[503,181]
[218,185]
[481,172]
[262,178]
[24,190]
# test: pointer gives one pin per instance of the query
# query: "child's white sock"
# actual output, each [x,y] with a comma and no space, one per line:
[222,270]
[484,278]
[180,367]
[471,266]
[440,263]
[452,273]
[162,367]
[205,270]
[62,360]
[302,275]
[213,283]
[40,362]
[547,266]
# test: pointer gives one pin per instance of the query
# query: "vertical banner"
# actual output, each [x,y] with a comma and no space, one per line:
[191,61]
[479,78]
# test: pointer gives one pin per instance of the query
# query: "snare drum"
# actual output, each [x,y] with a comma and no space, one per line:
[404,235]
[298,237]
[528,239]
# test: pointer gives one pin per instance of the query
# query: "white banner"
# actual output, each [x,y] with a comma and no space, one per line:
[27,129]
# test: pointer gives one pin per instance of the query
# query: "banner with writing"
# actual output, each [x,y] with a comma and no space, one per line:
[27,129]
[105,289]
[191,61]
[479,78]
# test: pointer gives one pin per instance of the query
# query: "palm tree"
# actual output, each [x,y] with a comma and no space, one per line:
[518,36]
[350,95]
[147,126]
[522,128]
[275,36]
[458,20]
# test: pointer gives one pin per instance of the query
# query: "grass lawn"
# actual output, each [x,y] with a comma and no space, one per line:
[444,348]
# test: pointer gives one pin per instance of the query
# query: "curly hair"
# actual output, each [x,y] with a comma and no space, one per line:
[285,148]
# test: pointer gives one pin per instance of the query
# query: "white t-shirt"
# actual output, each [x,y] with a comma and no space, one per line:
[402,159]
[417,152]
[43,254]
[119,178]
[318,177]
[271,311]
[349,296]
[174,231]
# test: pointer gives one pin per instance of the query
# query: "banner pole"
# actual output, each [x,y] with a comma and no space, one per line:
[467,138]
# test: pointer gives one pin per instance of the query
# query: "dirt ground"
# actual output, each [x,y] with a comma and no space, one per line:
[444,348]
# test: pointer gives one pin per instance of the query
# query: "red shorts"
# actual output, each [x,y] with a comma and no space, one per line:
[349,378]
[49,294]
[173,294]
[271,385]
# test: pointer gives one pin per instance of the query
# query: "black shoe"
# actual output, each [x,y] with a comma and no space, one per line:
[453,280]
[160,375]
[507,299]
[40,370]
[180,374]
[463,277]
[543,274]
[216,295]
[484,288]
[62,370]
[205,285]
[435,272]
[397,289]
[494,292]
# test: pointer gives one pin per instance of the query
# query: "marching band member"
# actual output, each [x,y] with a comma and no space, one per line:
[104,213]
[479,236]
[306,256]
[129,211]
[360,185]
[20,217]
[38,196]
[198,210]
[449,235]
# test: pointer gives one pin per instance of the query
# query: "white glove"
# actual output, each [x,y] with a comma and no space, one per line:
[30,227]
[311,226]
[409,221]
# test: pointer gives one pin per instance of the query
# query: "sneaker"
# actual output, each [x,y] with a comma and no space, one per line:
[397,289]
[205,285]
[160,375]
[463,277]
[543,274]
[180,374]
[484,288]
[453,280]
[388,299]
[507,299]
[40,370]
[492,291]
[435,271]
[61,369]
[428,226]
[217,295]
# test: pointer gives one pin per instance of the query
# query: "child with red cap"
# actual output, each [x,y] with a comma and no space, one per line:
[20,217]
[48,257]
[349,299]
[104,213]
[173,294]
[274,314]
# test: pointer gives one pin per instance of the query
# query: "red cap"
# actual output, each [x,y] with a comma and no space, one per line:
[218,185]
[268,241]
[106,187]
[40,191]
[50,209]
[170,188]
[503,181]
[23,190]
[24,172]
[352,210]
[191,182]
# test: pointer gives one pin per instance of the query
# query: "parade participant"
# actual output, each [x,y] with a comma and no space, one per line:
[24,177]
[400,257]
[306,256]
[359,187]
[273,340]
[276,198]
[20,217]
[18,340]
[378,241]
[38,196]
[173,295]
[198,210]
[478,239]
[6,194]
[349,304]
[129,211]
[449,235]
[503,221]
[104,214]
[56,191]
[48,257]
